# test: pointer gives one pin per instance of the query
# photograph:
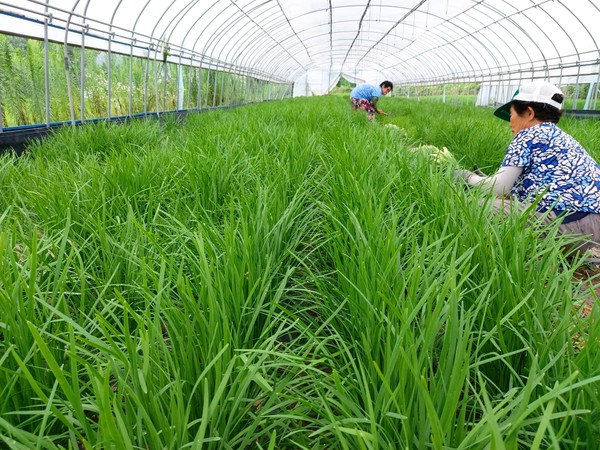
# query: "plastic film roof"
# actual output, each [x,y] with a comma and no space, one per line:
[407,41]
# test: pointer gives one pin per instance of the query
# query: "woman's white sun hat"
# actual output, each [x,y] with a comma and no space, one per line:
[537,92]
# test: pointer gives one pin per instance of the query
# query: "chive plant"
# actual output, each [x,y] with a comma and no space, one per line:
[285,275]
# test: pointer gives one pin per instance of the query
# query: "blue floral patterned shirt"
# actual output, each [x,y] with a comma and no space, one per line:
[556,165]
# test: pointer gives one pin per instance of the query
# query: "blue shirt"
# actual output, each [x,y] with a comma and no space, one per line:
[366,91]
[556,166]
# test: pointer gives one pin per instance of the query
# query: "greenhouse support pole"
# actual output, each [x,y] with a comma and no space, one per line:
[134,42]
[560,79]
[46,68]
[244,88]
[165,74]
[130,106]
[222,92]
[84,31]
[225,94]
[224,88]
[234,86]
[199,94]
[67,63]
[69,90]
[189,82]
[157,105]
[111,36]
[200,83]
[82,75]
[576,92]
[155,74]
[208,87]
[146,79]
[595,95]
[215,87]
[109,76]
[589,97]
[180,91]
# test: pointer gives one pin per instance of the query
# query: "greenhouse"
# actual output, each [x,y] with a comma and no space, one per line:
[205,241]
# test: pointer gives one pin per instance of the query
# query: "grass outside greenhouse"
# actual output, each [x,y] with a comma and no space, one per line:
[287,275]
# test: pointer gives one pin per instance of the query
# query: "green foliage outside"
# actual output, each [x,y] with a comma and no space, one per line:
[467,93]
[154,84]
[286,275]
[343,86]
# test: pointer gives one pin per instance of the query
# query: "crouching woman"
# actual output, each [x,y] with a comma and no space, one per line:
[543,162]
